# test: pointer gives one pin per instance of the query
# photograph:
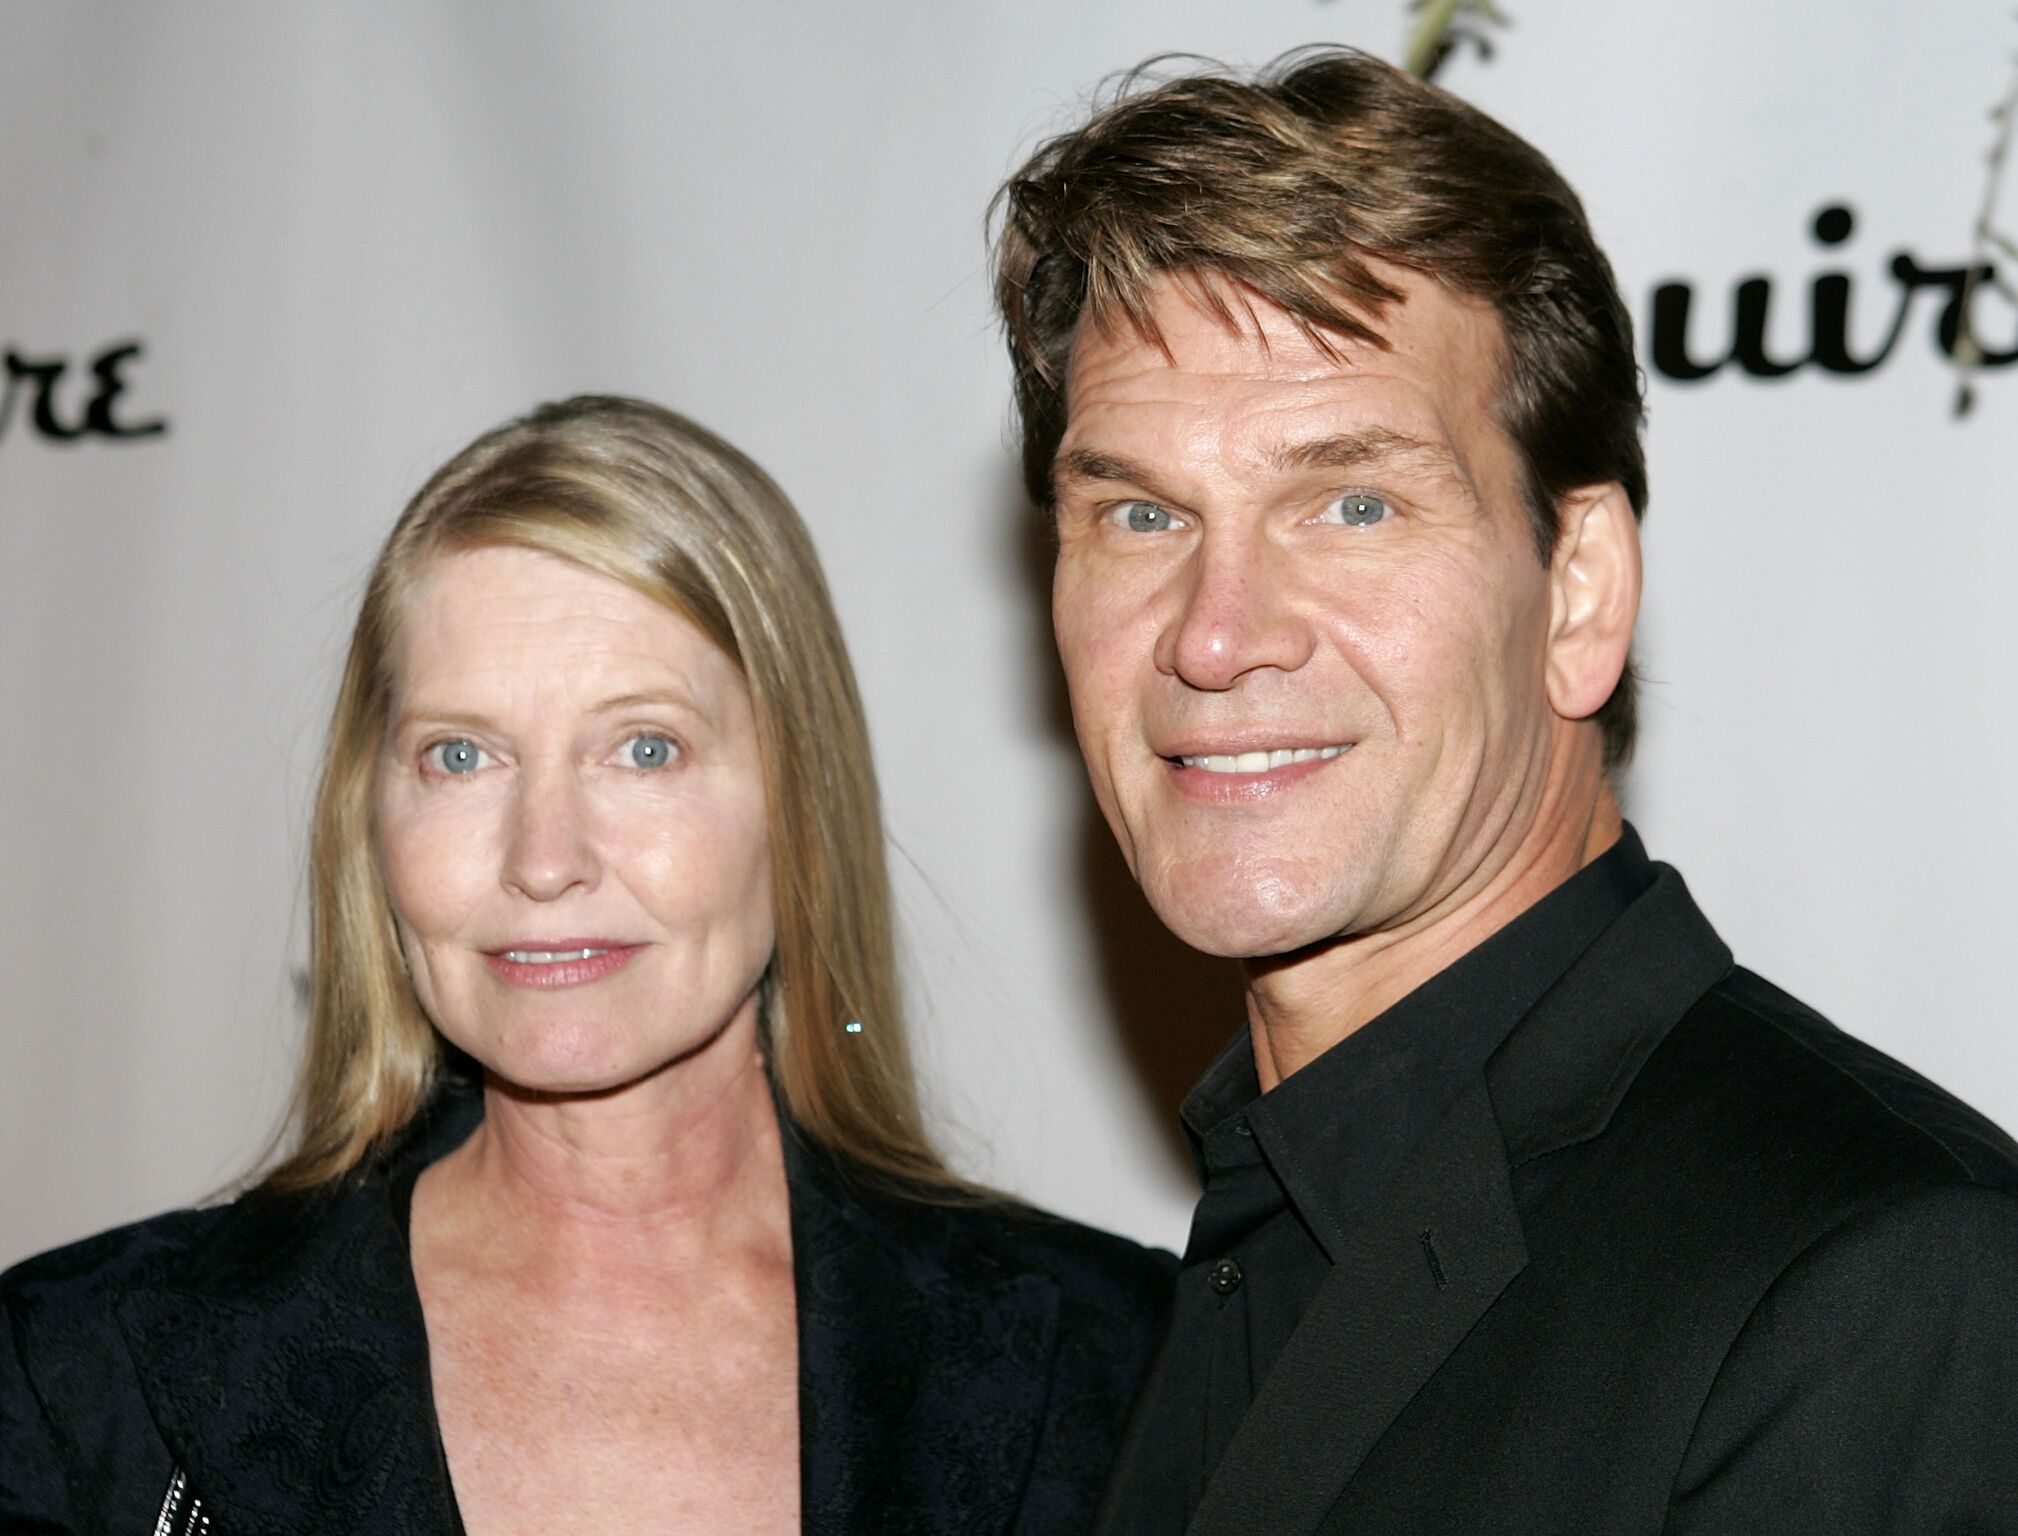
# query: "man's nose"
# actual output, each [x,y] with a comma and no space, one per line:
[550,848]
[1236,613]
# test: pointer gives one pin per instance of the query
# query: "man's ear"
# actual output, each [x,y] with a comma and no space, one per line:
[1594,598]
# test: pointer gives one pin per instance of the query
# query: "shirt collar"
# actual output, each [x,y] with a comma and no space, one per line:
[1351,1116]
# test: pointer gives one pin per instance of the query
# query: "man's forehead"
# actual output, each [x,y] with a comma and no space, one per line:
[1252,369]
[1253,339]
[1249,391]
[1210,326]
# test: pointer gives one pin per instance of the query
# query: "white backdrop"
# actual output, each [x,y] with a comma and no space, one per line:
[348,237]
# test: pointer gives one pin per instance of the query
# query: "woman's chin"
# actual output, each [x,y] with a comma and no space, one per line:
[546,1080]
[566,1064]
[577,1067]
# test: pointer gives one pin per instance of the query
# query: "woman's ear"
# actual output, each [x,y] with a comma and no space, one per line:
[1594,598]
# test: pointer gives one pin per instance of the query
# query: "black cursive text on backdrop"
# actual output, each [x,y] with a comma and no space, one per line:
[29,388]
[1830,348]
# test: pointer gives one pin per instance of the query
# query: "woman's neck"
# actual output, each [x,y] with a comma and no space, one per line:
[686,1162]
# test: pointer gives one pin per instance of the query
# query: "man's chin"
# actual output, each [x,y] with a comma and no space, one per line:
[1235,930]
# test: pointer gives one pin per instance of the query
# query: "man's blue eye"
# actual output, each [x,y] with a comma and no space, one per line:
[458,756]
[1147,517]
[1357,511]
[649,751]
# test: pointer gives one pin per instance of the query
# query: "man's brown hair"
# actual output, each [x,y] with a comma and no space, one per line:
[1282,185]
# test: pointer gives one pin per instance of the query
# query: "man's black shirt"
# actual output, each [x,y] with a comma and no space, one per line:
[1264,1236]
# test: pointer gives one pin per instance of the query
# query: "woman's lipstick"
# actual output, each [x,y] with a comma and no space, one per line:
[546,963]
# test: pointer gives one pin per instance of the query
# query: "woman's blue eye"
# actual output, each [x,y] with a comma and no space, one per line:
[1360,511]
[457,756]
[1147,517]
[649,751]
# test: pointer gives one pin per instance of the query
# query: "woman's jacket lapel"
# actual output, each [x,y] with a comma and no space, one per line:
[284,1360]
[924,1365]
[285,1364]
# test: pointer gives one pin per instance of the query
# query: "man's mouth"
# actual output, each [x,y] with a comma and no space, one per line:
[1261,761]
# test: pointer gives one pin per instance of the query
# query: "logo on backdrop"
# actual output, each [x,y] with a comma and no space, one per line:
[1444,28]
[36,401]
[1933,295]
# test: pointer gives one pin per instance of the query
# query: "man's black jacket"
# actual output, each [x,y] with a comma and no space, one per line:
[1703,1264]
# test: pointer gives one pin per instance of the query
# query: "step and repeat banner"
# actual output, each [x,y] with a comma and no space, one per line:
[263,266]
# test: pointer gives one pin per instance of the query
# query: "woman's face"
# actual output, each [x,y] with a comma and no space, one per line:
[571,819]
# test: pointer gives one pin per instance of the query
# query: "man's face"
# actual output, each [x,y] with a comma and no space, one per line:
[1266,551]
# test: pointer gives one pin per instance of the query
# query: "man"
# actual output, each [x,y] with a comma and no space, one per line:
[1524,1210]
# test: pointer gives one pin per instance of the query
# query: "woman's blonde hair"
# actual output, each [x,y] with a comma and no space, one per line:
[650,499]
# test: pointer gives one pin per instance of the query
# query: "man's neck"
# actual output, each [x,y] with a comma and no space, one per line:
[1300,1007]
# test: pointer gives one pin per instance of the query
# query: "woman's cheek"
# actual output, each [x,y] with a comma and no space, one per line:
[436,857]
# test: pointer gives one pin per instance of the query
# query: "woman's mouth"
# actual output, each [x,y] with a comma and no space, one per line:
[559,963]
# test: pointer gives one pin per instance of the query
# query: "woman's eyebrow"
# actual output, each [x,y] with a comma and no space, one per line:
[644,698]
[433,718]
[411,717]
[694,706]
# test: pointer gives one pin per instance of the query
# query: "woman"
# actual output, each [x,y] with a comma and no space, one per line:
[609,1205]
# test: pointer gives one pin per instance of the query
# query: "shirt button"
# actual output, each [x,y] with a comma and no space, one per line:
[1242,1128]
[1224,1277]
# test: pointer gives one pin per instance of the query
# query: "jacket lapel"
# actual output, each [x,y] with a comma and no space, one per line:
[1561,1074]
[923,1369]
[285,1364]
[1415,1265]
[1388,1316]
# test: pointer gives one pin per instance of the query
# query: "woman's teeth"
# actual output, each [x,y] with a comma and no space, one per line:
[550,956]
[1261,762]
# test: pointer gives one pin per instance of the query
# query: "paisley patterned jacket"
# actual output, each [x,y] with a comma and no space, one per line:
[261,1367]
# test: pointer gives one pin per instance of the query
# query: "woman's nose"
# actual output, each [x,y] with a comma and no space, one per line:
[550,850]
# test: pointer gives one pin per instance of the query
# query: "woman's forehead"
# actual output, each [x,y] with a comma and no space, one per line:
[507,618]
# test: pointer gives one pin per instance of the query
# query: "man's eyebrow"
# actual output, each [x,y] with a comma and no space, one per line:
[1093,464]
[1363,449]
[1358,450]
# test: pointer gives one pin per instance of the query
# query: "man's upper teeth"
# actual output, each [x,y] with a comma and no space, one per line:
[550,956]
[1260,762]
